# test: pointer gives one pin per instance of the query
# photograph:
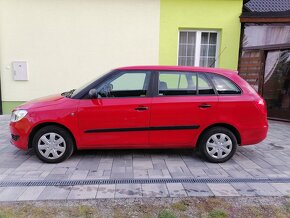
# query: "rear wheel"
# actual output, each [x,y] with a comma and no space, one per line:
[218,144]
[53,144]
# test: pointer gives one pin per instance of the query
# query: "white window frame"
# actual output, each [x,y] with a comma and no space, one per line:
[198,45]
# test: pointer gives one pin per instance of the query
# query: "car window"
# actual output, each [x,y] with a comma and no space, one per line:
[177,83]
[204,86]
[126,84]
[224,85]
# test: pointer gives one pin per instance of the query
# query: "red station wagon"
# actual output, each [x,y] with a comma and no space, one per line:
[211,109]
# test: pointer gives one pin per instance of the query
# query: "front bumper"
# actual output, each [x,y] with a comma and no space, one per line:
[20,133]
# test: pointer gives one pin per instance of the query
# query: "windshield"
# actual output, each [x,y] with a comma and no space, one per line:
[77,91]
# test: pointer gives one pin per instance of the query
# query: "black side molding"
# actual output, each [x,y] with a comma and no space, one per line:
[153,128]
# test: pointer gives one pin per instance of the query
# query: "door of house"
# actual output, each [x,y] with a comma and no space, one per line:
[269,73]
[276,85]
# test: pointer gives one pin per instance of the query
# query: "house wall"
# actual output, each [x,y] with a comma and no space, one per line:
[222,15]
[70,42]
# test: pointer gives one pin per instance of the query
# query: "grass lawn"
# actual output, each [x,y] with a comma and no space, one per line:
[211,207]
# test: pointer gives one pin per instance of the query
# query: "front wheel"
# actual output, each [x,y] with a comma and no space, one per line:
[53,144]
[218,144]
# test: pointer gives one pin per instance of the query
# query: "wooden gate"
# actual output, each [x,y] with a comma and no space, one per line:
[251,68]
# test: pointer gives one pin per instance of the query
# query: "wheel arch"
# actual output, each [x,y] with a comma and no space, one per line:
[41,125]
[225,125]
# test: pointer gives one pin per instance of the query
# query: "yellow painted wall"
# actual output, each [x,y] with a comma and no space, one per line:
[222,15]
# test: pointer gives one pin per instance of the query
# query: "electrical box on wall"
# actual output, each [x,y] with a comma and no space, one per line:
[20,70]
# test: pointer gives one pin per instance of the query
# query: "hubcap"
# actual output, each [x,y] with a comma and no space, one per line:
[219,146]
[51,145]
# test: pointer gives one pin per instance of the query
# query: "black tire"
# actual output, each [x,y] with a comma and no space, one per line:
[69,143]
[207,135]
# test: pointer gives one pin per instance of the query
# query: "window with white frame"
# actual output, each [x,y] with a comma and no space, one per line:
[198,48]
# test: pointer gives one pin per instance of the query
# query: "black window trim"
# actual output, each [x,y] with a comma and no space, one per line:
[156,85]
[211,83]
[153,87]
[110,76]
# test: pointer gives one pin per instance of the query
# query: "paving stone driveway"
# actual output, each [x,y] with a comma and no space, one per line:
[269,159]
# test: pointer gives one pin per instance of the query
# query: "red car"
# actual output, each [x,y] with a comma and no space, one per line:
[211,109]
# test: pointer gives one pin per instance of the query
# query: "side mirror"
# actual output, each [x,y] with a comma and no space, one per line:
[93,93]
[106,90]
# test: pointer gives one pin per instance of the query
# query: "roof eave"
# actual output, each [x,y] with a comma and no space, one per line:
[265,17]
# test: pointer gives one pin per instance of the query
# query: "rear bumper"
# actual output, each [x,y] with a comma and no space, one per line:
[255,135]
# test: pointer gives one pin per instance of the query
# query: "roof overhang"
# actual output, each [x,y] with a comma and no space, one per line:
[265,17]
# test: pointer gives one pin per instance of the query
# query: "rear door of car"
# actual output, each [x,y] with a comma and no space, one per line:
[183,103]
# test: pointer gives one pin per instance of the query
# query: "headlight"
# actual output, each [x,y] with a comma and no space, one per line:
[18,115]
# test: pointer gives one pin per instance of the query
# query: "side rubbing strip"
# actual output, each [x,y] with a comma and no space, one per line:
[154,128]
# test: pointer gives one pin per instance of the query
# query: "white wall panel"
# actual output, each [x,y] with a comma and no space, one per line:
[69,42]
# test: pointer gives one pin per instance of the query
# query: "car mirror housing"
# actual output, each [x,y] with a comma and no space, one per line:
[93,93]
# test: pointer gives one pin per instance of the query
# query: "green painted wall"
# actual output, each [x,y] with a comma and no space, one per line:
[8,106]
[222,15]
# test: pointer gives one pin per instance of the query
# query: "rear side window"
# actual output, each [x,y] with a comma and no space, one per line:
[204,86]
[177,83]
[224,86]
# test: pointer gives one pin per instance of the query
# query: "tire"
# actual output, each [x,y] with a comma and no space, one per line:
[218,144]
[53,144]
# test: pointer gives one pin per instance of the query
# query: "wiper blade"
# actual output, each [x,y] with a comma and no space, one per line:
[68,94]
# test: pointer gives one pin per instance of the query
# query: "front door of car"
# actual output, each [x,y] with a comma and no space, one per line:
[184,103]
[119,115]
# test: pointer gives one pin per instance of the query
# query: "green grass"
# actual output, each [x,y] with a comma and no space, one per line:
[287,207]
[217,214]
[151,208]
[166,214]
[180,206]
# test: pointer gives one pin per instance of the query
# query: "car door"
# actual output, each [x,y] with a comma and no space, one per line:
[119,116]
[185,102]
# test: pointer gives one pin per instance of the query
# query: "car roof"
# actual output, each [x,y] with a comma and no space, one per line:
[180,68]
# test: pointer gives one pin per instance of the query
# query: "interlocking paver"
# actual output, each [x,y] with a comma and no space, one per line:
[79,174]
[106,191]
[128,191]
[284,188]
[268,159]
[31,193]
[83,192]
[55,193]
[264,189]
[197,189]
[155,190]
[223,189]
[176,190]
[244,190]
[11,193]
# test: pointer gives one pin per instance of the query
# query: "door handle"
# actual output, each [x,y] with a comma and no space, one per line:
[141,108]
[204,106]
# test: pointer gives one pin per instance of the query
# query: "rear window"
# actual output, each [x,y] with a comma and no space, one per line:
[224,86]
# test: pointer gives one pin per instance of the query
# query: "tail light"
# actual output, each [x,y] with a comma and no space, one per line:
[261,105]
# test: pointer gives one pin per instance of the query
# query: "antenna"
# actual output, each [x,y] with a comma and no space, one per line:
[218,57]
